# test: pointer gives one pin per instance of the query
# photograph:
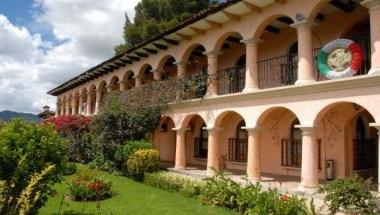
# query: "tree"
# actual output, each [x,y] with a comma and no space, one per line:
[155,16]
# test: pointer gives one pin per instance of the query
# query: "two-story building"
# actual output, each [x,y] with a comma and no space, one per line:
[271,110]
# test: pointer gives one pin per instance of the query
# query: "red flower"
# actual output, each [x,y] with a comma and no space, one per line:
[284,198]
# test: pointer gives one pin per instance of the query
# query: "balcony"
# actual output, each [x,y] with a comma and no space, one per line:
[231,80]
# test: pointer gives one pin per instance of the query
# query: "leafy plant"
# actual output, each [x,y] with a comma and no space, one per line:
[69,169]
[142,161]
[31,160]
[89,187]
[351,195]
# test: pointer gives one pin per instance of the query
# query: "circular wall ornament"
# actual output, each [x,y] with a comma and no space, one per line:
[340,58]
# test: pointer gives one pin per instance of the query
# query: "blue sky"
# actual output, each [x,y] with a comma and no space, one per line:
[45,42]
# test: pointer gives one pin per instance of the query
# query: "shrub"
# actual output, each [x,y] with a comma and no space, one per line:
[89,187]
[222,191]
[142,161]
[76,130]
[31,160]
[69,169]
[351,195]
[173,183]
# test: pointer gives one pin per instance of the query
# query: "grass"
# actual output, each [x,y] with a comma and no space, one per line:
[130,198]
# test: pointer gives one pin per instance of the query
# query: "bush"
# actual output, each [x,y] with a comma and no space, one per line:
[76,130]
[142,161]
[351,195]
[89,187]
[31,160]
[222,191]
[173,183]
[69,169]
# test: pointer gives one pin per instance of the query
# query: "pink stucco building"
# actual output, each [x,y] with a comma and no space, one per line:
[278,114]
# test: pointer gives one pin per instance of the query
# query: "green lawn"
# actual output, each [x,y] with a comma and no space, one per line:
[131,198]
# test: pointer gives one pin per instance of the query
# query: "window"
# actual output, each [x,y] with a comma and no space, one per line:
[364,147]
[238,147]
[291,149]
[201,143]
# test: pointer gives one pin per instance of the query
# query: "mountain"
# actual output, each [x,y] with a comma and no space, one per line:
[9,115]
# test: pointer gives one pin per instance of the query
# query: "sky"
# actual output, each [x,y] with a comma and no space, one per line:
[43,43]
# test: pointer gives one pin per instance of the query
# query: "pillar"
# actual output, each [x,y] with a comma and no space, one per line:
[180,151]
[57,109]
[123,85]
[138,81]
[377,126]
[181,68]
[80,104]
[306,64]
[68,103]
[213,154]
[374,16]
[253,159]
[309,166]
[212,59]
[98,100]
[89,103]
[73,106]
[251,73]
[157,75]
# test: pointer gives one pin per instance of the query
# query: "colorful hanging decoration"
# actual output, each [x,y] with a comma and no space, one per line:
[340,58]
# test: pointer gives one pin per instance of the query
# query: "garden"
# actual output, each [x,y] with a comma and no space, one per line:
[106,164]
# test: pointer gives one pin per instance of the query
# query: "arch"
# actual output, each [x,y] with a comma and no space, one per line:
[264,25]
[101,84]
[325,109]
[185,122]
[222,116]
[312,15]
[144,68]
[165,140]
[270,111]
[114,83]
[128,80]
[217,46]
[167,67]
[188,51]
[163,61]
[84,91]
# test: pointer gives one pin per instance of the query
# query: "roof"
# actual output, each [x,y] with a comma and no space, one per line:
[125,58]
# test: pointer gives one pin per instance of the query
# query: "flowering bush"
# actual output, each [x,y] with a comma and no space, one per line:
[76,130]
[89,187]
[142,161]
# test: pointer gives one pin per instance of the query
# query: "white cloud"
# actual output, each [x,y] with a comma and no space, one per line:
[87,31]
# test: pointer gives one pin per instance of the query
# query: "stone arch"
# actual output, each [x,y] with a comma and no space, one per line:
[165,140]
[222,116]
[145,74]
[188,51]
[128,80]
[167,67]
[268,113]
[185,121]
[267,21]
[114,83]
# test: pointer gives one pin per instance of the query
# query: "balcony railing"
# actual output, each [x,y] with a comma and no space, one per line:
[231,80]
[364,154]
[237,150]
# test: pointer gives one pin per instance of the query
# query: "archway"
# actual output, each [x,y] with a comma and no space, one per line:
[114,84]
[280,142]
[92,94]
[277,36]
[196,140]
[102,89]
[84,96]
[168,68]
[230,77]
[146,74]
[128,81]
[164,139]
[233,141]
[348,139]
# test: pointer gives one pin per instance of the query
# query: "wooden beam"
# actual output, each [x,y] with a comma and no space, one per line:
[125,61]
[134,58]
[160,46]
[251,7]
[183,36]
[151,51]
[285,20]
[272,29]
[346,7]
[140,54]
[171,42]
[119,64]
[231,16]
[213,24]
[198,30]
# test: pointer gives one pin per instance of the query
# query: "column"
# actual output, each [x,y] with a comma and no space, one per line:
[157,74]
[57,109]
[89,103]
[253,159]
[98,100]
[309,166]
[212,59]
[68,103]
[123,85]
[138,81]
[80,106]
[181,68]
[305,51]
[374,16]
[73,106]
[213,149]
[377,126]
[180,151]
[251,74]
